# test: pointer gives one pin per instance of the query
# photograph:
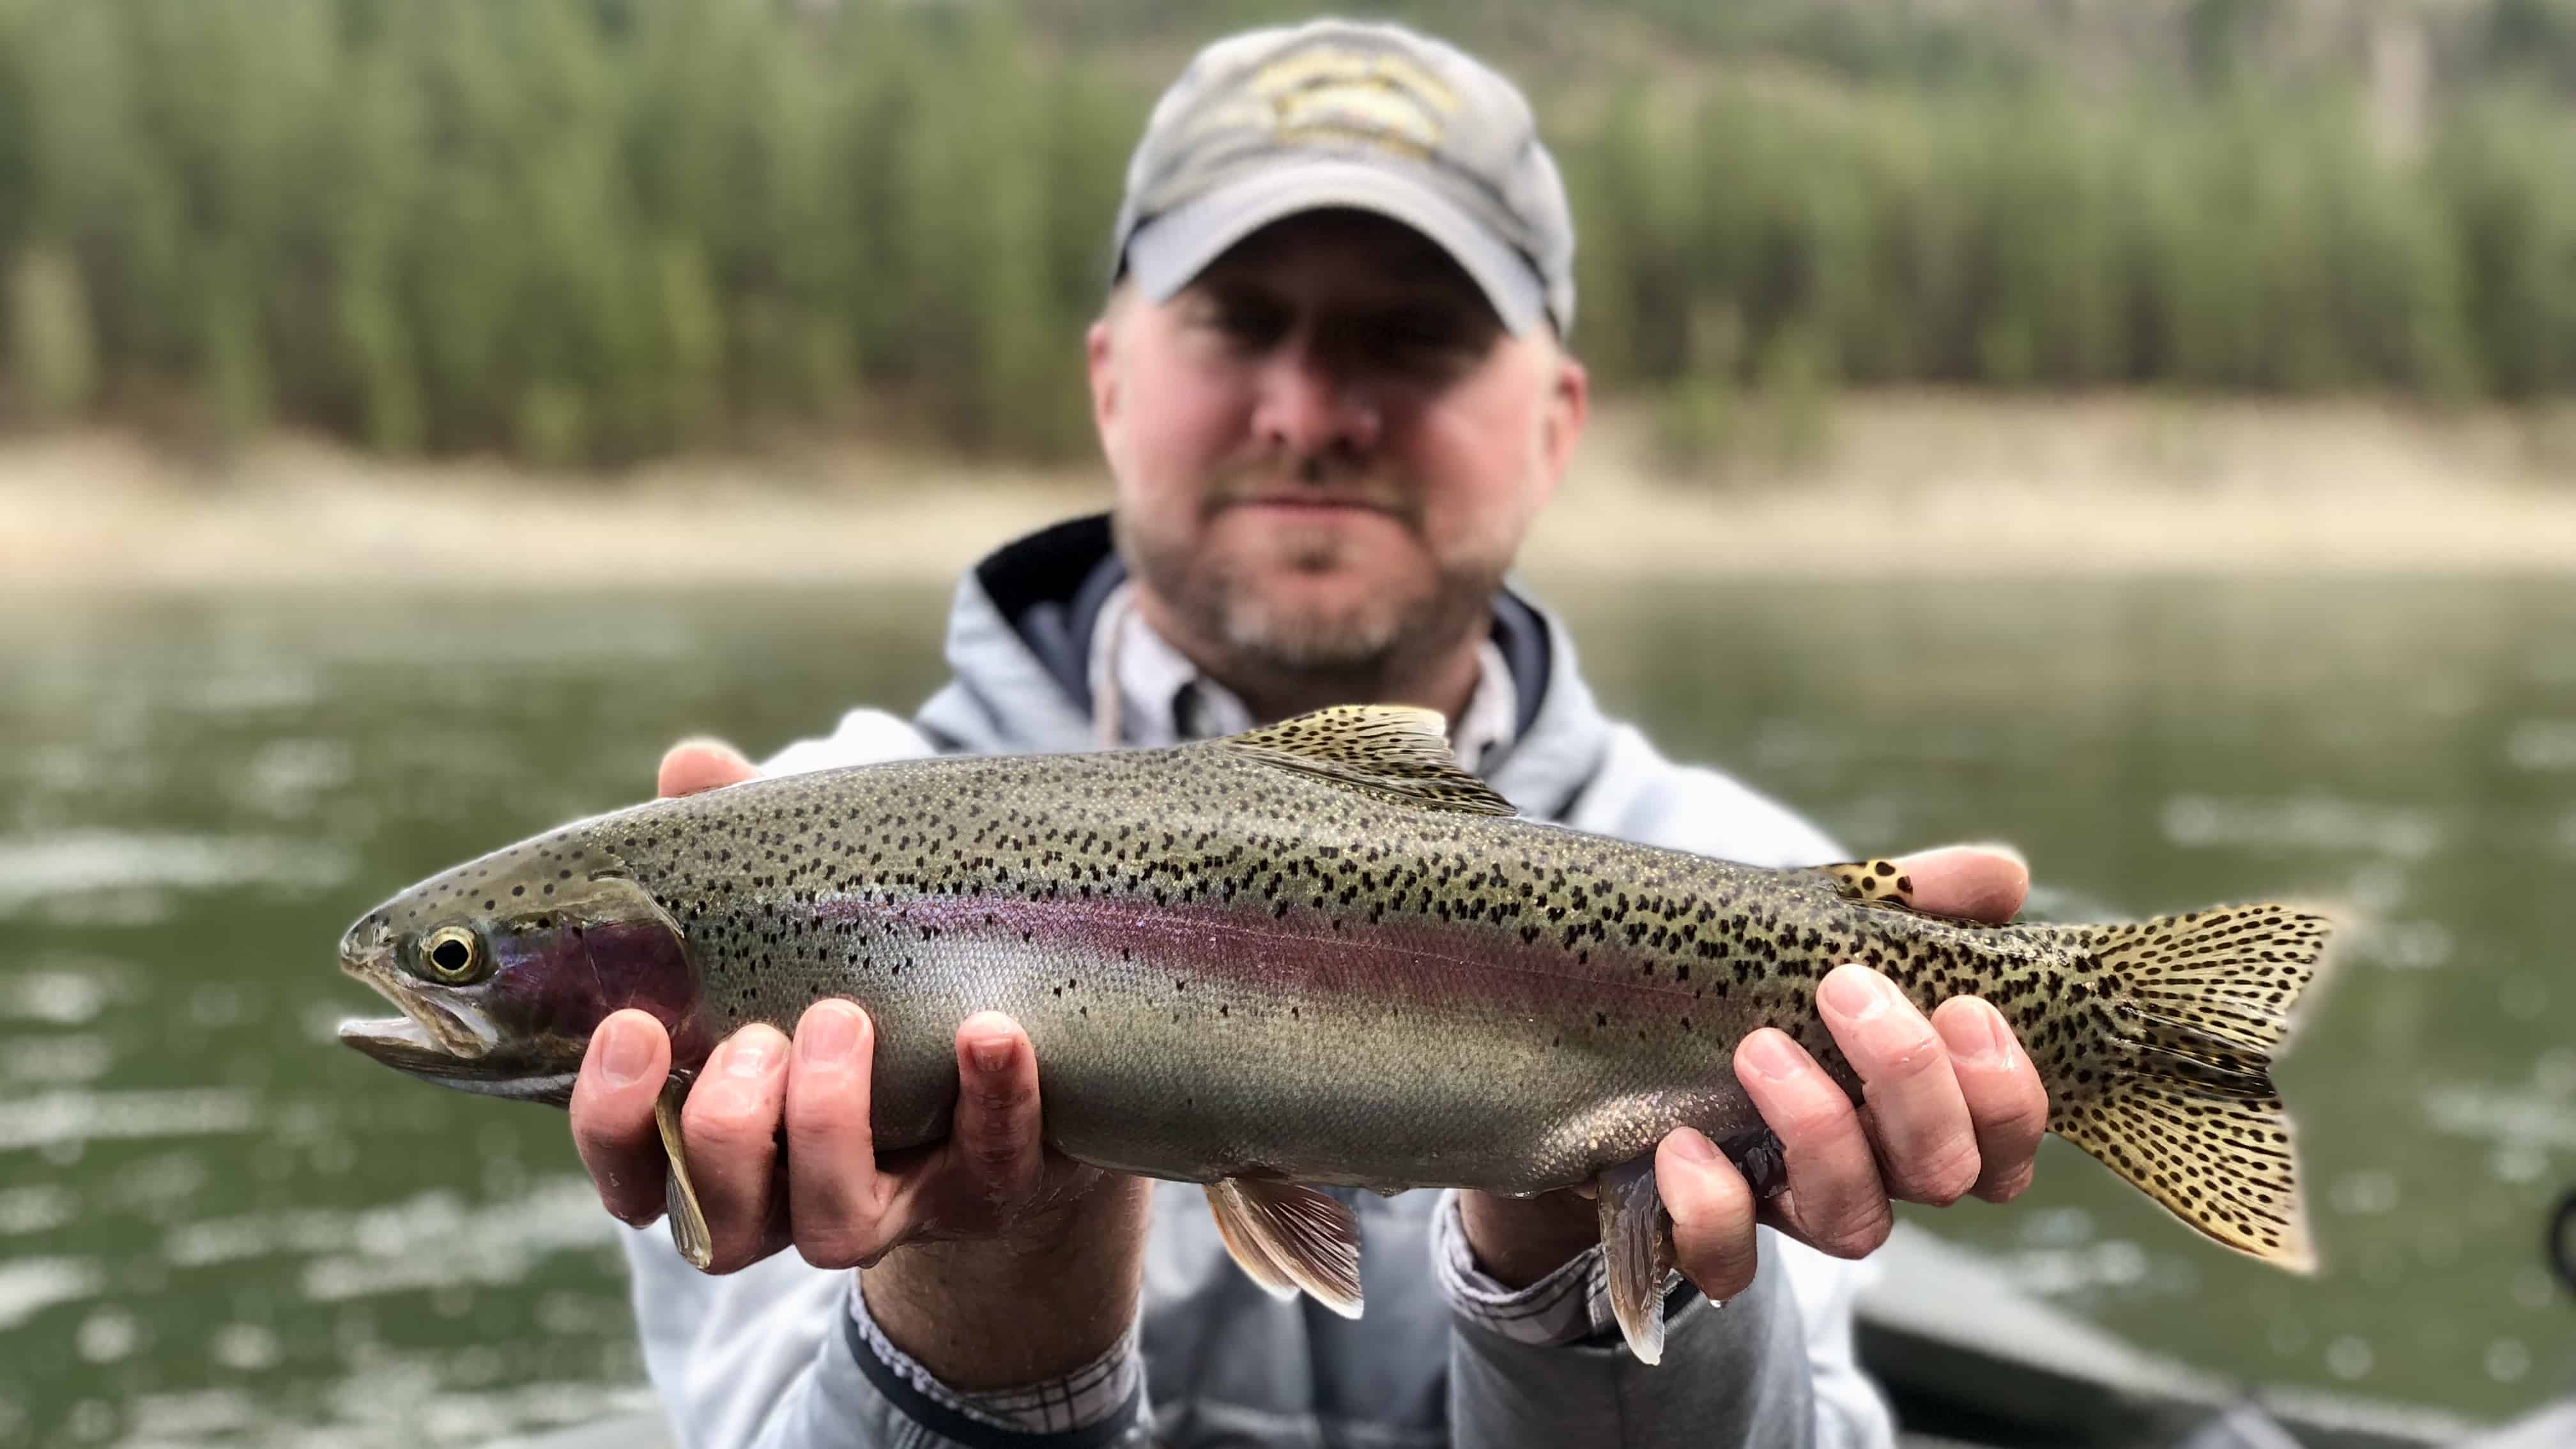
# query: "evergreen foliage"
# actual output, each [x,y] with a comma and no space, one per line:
[591,230]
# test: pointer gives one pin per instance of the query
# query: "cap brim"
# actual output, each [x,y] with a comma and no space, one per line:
[1166,252]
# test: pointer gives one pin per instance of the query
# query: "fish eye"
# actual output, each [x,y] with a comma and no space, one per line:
[452,954]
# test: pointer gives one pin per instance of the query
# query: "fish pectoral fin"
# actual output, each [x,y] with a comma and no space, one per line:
[1290,1237]
[679,1196]
[1872,882]
[1637,1250]
[1395,749]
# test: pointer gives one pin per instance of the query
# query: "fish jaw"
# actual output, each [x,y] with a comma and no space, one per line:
[402,1044]
[456,1033]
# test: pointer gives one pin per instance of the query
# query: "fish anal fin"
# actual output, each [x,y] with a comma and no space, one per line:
[1290,1237]
[1872,882]
[1397,750]
[1637,1251]
[680,1196]
[1761,1157]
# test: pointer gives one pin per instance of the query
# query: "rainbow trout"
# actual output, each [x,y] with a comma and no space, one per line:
[1316,953]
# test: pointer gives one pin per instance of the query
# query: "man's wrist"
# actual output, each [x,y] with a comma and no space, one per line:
[1104,1394]
[1036,1304]
[1519,1240]
[1568,1304]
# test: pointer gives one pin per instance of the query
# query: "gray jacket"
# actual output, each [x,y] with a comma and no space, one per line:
[774,1356]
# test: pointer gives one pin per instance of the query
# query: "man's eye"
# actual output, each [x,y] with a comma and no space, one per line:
[1424,339]
[1427,345]
[1245,322]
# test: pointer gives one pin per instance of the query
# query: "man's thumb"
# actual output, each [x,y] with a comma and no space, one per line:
[694,765]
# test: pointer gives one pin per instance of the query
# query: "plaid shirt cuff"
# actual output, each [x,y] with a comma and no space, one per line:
[1089,1395]
[1567,1306]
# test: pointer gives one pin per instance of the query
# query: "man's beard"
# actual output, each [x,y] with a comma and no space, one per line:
[1361,649]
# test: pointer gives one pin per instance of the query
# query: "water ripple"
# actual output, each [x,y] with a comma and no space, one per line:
[36,1209]
[433,1240]
[43,867]
[64,998]
[80,1058]
[73,1116]
[430,1242]
[2308,822]
[32,1285]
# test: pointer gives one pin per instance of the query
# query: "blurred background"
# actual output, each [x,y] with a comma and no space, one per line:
[2141,431]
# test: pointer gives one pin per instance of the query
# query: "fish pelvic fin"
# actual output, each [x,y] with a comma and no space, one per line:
[1290,1237]
[679,1195]
[1397,750]
[2180,1099]
[1637,1253]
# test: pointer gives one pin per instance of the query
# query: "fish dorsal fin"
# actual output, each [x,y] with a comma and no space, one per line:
[1393,748]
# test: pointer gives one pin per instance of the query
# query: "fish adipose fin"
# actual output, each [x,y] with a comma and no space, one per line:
[2180,1099]
[1637,1250]
[1873,882]
[679,1196]
[1290,1237]
[1392,748]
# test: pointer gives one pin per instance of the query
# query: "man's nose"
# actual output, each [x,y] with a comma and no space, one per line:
[1311,403]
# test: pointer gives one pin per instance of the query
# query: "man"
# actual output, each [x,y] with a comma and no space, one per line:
[1330,386]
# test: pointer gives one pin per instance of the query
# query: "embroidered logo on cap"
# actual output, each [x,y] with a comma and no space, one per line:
[1332,94]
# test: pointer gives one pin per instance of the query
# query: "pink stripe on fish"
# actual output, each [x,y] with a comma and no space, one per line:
[1405,961]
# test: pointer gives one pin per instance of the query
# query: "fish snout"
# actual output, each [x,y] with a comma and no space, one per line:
[367,950]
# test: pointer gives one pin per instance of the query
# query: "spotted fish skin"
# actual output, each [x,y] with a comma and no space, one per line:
[1320,953]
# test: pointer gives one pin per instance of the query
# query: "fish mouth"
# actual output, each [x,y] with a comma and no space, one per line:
[398,1041]
[429,1034]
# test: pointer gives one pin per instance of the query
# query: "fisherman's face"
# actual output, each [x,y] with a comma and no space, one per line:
[1327,448]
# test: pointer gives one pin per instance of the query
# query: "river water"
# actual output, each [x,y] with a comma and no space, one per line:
[218,1226]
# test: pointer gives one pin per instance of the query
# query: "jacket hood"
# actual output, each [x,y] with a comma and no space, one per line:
[1019,650]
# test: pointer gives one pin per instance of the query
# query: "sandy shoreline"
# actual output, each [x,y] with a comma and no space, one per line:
[1910,485]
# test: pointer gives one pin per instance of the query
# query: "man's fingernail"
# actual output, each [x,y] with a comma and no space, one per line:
[1999,1032]
[827,1036]
[752,1053]
[1772,1054]
[1964,1035]
[624,1054]
[1694,1148]
[1855,991]
[991,1054]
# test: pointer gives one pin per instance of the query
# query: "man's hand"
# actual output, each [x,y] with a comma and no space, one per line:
[1952,1108]
[762,1097]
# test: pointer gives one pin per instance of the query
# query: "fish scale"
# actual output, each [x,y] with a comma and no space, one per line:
[1319,953]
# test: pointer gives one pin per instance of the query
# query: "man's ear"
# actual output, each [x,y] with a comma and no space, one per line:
[1103,375]
[1569,404]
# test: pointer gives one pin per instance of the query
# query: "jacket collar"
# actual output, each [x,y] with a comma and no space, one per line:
[1019,648]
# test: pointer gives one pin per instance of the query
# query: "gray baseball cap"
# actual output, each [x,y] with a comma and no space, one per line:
[1335,113]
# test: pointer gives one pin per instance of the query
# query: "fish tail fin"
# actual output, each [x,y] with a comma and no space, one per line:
[2179,1100]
